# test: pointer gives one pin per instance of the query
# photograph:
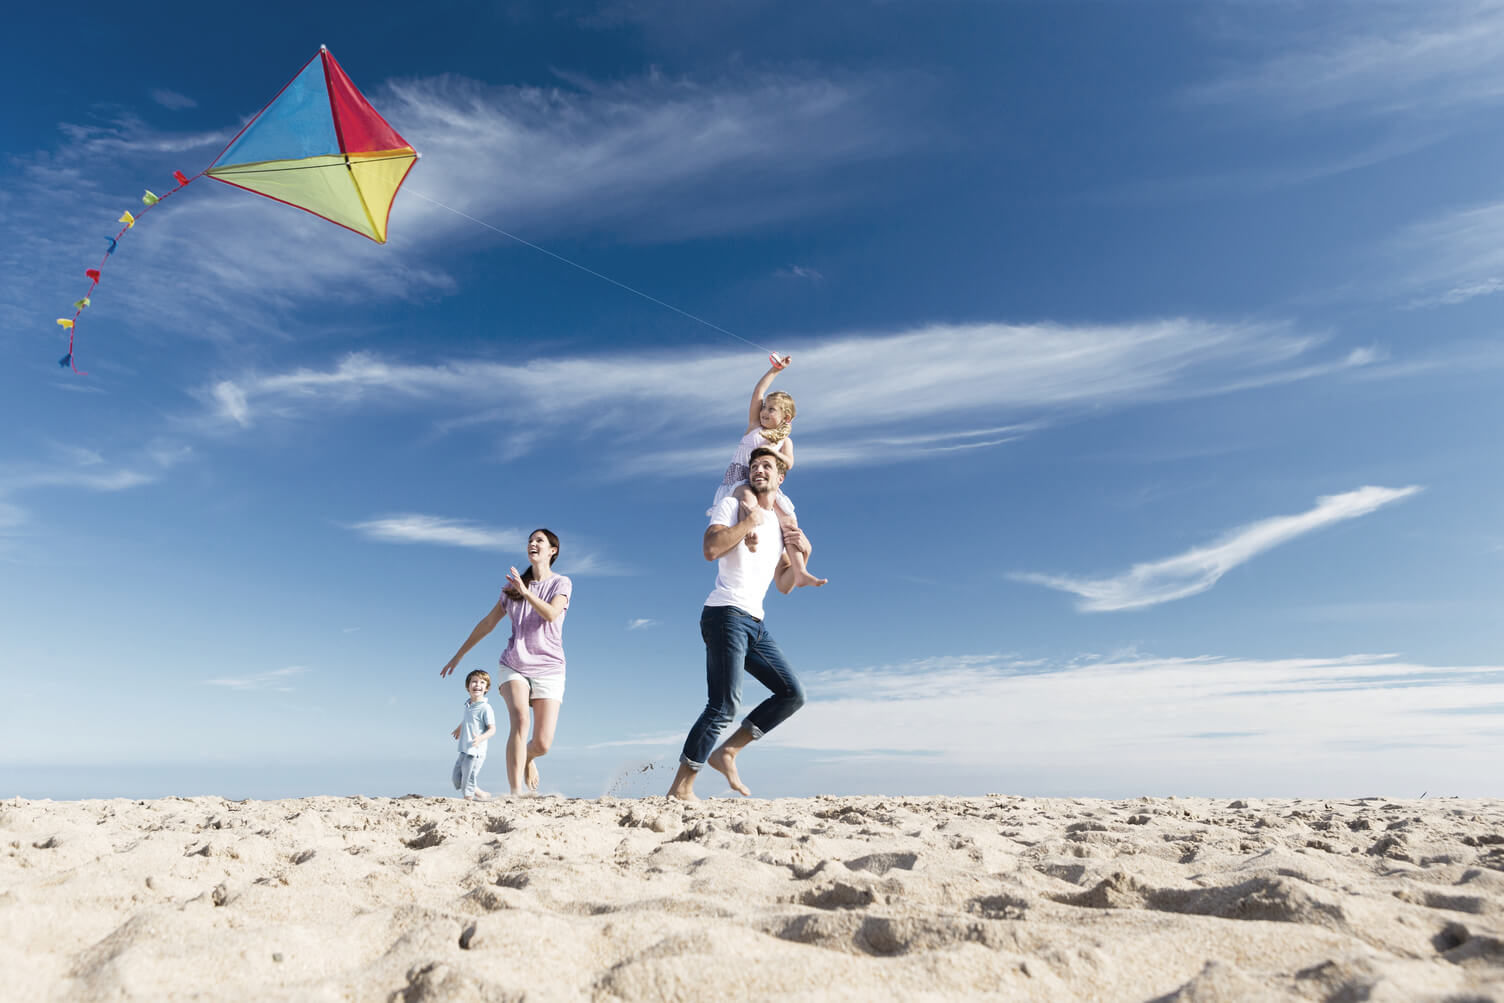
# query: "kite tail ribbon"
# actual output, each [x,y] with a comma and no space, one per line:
[149,199]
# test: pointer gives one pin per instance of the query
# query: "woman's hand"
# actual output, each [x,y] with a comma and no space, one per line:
[514,579]
[453,663]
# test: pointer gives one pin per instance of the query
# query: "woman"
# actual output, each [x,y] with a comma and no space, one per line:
[531,677]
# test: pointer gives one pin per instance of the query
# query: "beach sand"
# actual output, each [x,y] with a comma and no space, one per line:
[914,898]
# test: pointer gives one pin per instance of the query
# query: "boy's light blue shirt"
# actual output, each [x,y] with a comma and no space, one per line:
[479,718]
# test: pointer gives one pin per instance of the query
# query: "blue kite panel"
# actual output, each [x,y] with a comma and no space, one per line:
[299,123]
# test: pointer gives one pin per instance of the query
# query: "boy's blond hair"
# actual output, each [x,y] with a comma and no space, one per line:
[483,674]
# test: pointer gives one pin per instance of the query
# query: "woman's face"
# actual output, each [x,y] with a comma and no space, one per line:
[539,549]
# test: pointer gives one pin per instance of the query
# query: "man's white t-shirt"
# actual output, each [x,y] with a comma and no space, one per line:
[743,576]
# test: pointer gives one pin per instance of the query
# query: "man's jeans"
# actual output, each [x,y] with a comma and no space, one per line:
[736,640]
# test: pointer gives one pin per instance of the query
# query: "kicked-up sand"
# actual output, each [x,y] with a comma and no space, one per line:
[912,898]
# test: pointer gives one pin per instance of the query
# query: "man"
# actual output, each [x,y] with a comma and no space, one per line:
[731,624]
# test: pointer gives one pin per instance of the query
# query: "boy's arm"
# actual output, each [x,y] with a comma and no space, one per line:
[490,730]
[754,413]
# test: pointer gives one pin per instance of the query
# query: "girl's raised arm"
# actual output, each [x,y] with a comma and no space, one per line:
[754,412]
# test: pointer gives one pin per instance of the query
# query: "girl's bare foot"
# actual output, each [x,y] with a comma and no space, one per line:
[532,776]
[724,761]
[804,578]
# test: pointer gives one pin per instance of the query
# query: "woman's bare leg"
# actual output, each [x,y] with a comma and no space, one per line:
[545,719]
[514,694]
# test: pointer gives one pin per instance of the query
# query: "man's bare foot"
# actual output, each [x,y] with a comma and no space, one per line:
[804,578]
[724,760]
[532,775]
[683,787]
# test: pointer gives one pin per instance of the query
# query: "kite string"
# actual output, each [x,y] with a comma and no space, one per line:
[588,271]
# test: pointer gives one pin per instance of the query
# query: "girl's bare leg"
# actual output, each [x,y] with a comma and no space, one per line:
[514,694]
[802,577]
[545,719]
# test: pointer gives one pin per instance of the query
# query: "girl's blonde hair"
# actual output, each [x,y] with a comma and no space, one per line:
[776,435]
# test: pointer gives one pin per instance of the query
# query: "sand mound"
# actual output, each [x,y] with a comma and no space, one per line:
[419,899]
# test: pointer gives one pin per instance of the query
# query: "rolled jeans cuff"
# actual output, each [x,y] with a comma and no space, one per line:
[694,767]
[754,729]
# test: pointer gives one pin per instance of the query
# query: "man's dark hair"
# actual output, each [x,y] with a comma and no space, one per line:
[783,467]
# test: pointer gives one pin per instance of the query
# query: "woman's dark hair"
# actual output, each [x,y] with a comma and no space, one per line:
[527,576]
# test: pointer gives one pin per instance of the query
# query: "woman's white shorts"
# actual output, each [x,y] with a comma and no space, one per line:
[547,688]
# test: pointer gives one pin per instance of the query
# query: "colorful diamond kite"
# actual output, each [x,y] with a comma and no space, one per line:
[318,146]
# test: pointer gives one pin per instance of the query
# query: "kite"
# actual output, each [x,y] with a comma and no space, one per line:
[318,146]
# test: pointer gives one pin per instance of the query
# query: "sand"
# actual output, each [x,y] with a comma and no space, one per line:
[913,898]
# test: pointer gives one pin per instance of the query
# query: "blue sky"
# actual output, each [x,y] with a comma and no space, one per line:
[1147,359]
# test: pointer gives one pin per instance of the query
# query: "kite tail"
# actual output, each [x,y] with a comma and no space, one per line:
[150,201]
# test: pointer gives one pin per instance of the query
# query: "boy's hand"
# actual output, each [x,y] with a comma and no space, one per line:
[456,732]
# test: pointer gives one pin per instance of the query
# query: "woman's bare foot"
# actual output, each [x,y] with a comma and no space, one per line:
[803,578]
[723,760]
[532,776]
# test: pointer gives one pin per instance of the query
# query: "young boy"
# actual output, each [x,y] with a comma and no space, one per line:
[478,724]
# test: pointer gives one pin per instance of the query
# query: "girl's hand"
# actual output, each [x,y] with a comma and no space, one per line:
[780,363]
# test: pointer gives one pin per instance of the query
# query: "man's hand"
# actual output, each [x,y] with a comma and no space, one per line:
[794,537]
[755,512]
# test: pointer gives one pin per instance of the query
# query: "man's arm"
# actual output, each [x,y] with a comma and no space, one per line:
[721,540]
[783,578]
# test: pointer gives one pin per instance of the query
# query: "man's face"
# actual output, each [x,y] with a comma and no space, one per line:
[763,474]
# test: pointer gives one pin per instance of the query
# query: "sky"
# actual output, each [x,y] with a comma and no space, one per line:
[1145,354]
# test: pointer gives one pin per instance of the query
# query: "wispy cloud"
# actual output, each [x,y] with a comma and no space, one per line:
[1457,256]
[172,100]
[667,739]
[276,679]
[960,387]
[83,469]
[1358,723]
[1200,568]
[432,529]
[798,272]
[1374,58]
[641,623]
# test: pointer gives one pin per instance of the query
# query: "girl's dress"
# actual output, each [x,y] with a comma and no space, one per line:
[736,473]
